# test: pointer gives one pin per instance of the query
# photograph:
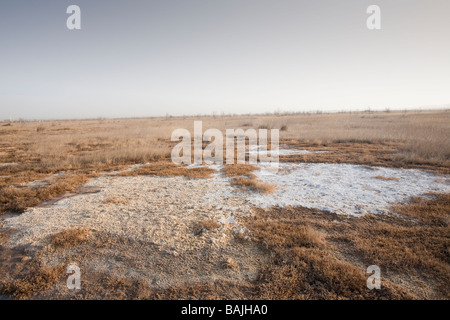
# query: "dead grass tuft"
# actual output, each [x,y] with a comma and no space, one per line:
[230,263]
[235,170]
[387,178]
[435,211]
[170,169]
[36,279]
[253,185]
[18,199]
[369,167]
[202,226]
[70,238]
[115,200]
[199,173]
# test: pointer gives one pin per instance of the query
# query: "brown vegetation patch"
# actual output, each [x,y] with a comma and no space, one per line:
[115,200]
[235,170]
[155,273]
[70,237]
[369,167]
[303,266]
[376,153]
[229,263]
[205,225]
[22,273]
[100,285]
[253,185]
[170,169]
[387,178]
[330,262]
[37,278]
[18,199]
[435,211]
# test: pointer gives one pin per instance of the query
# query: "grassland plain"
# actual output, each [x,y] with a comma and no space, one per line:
[290,252]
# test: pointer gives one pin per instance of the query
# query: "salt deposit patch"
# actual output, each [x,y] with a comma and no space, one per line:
[160,210]
[344,188]
[340,188]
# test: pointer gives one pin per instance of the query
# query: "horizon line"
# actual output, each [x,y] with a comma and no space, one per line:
[443,107]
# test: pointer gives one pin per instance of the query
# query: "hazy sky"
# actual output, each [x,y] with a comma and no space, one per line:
[146,58]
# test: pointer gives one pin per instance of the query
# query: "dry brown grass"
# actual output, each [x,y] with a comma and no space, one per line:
[318,255]
[422,135]
[244,178]
[126,289]
[386,178]
[17,199]
[414,248]
[115,200]
[369,167]
[91,143]
[383,154]
[235,170]
[435,211]
[230,263]
[23,275]
[253,185]
[200,227]
[170,169]
[70,237]
[38,278]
